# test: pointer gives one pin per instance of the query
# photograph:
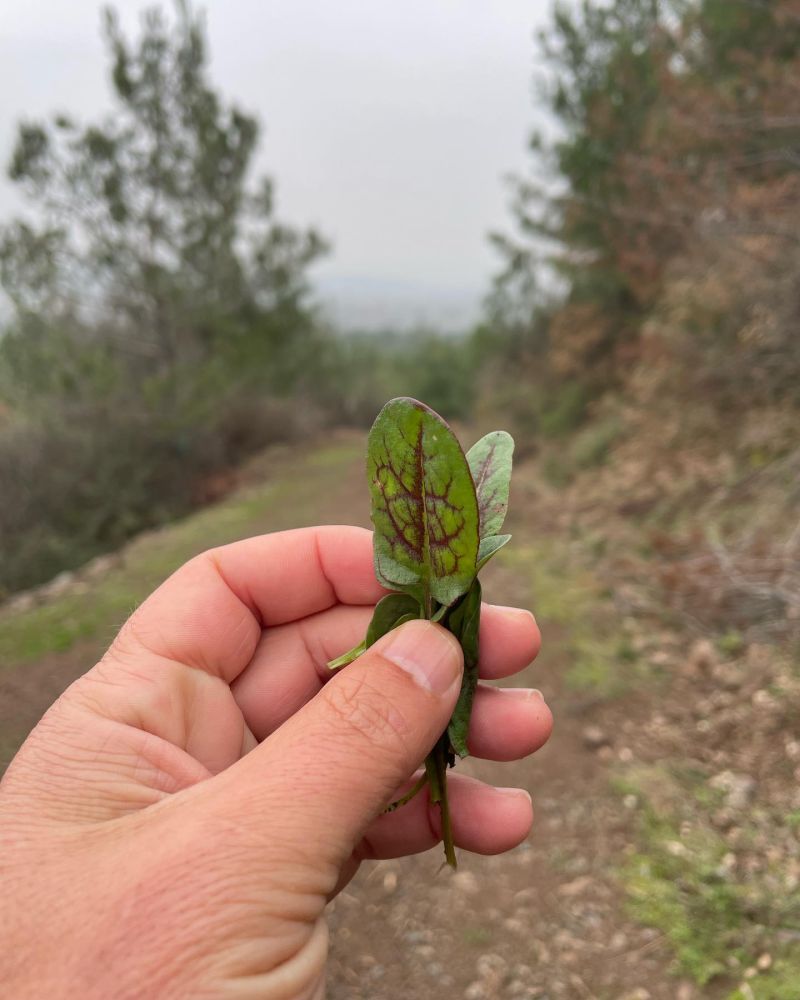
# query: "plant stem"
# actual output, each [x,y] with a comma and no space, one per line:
[423,781]
[436,771]
[348,657]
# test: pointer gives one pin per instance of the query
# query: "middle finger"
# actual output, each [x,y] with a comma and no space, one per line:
[290,666]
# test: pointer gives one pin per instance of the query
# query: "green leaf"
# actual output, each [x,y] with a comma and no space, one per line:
[424,505]
[464,622]
[489,546]
[388,614]
[490,462]
[390,611]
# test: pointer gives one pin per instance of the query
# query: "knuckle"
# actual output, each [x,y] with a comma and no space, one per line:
[358,708]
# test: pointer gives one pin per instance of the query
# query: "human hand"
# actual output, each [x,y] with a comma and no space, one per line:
[175,824]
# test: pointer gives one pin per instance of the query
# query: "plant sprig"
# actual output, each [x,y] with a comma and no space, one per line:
[437,515]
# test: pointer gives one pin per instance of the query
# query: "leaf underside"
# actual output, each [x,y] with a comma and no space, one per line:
[464,622]
[424,505]
[489,546]
[490,461]
[388,613]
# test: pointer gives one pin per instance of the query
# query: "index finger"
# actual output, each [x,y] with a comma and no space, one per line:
[209,614]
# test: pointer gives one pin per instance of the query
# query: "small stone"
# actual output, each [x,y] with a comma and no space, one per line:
[626,755]
[764,962]
[59,585]
[723,819]
[676,848]
[750,973]
[764,699]
[491,966]
[21,602]
[739,789]
[476,991]
[100,566]
[594,738]
[390,882]
[576,887]
[703,656]
[630,802]
[465,882]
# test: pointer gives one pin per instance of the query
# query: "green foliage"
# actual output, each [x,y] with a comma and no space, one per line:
[677,882]
[424,506]
[674,881]
[159,309]
[383,364]
[592,444]
[599,655]
[489,546]
[464,622]
[672,150]
[388,612]
[699,912]
[287,496]
[779,983]
[490,466]
[433,510]
[561,412]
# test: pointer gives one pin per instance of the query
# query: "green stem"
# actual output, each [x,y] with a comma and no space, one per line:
[348,657]
[436,771]
[403,800]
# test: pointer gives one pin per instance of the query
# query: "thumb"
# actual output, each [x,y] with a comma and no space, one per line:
[316,783]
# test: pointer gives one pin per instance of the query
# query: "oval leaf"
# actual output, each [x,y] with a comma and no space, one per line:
[490,462]
[424,505]
[387,615]
[489,546]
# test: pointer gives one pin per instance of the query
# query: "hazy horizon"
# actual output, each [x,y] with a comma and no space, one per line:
[388,128]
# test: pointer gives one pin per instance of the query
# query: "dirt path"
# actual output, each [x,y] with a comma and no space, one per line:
[545,921]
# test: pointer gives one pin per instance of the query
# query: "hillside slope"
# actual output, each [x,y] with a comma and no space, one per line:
[651,872]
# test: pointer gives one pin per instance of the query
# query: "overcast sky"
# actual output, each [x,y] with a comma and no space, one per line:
[389,125]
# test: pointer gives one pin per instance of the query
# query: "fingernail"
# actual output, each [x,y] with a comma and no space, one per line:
[430,654]
[524,694]
[516,793]
[514,612]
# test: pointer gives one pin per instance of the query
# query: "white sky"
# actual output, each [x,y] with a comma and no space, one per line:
[390,125]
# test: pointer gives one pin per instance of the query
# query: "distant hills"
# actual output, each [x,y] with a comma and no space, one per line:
[364,302]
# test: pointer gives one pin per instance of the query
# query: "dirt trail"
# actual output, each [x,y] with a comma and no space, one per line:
[545,921]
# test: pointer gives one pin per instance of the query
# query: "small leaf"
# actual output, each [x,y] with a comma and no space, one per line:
[464,622]
[489,546]
[490,461]
[424,505]
[388,612]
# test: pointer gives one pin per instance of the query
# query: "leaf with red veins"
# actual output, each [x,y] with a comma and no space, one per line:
[424,505]
[490,463]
